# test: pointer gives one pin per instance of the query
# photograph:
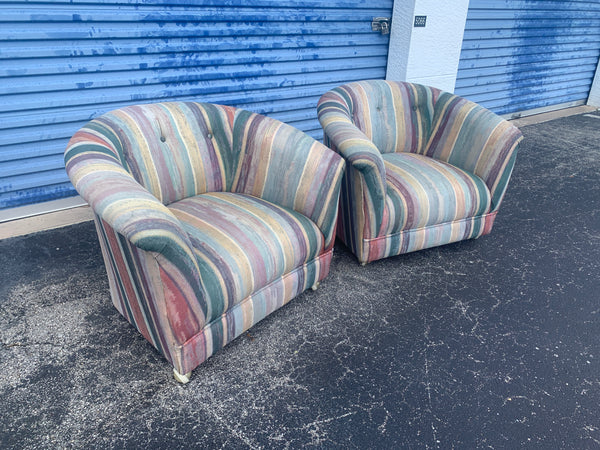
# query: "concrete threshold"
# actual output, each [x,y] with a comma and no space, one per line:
[551,115]
[46,221]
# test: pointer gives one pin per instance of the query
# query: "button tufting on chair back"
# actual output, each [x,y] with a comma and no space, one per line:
[397,117]
[171,148]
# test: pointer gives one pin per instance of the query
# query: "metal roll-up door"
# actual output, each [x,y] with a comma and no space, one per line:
[522,57]
[63,63]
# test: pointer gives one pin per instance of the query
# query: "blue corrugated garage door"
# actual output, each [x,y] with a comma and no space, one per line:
[65,62]
[527,56]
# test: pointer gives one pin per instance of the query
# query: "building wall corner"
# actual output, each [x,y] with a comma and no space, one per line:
[427,55]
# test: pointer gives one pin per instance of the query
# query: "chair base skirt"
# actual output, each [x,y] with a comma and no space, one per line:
[421,238]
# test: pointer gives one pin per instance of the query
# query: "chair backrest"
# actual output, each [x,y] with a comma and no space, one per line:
[396,116]
[175,150]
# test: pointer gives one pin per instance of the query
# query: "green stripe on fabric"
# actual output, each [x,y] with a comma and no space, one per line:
[220,130]
[347,99]
[382,116]
[106,132]
[88,148]
[503,182]
[240,123]
[474,128]
[136,282]
[103,236]
[214,291]
[179,163]
[291,164]
[483,193]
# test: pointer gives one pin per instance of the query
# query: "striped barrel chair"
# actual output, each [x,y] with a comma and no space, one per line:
[424,167]
[209,218]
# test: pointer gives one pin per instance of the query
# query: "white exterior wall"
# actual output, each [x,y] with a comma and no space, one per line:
[594,97]
[427,55]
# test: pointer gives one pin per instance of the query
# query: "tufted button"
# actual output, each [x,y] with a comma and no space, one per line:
[209,136]
[163,139]
[414,107]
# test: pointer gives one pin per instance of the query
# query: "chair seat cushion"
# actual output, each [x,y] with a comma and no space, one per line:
[242,243]
[422,191]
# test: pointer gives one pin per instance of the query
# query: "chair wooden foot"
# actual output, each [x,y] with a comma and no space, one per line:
[183,379]
[363,264]
[316,286]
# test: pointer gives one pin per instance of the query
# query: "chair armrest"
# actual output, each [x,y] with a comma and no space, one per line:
[96,171]
[289,168]
[475,139]
[357,149]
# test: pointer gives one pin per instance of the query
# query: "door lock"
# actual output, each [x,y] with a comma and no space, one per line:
[381,24]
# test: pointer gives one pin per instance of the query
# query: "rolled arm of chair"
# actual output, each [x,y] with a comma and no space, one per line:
[289,168]
[97,173]
[96,170]
[357,149]
[475,139]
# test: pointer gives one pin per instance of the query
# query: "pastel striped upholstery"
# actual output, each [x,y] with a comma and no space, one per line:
[425,167]
[422,192]
[209,218]
[272,239]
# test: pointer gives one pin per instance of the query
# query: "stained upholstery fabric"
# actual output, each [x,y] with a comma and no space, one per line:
[209,218]
[425,167]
